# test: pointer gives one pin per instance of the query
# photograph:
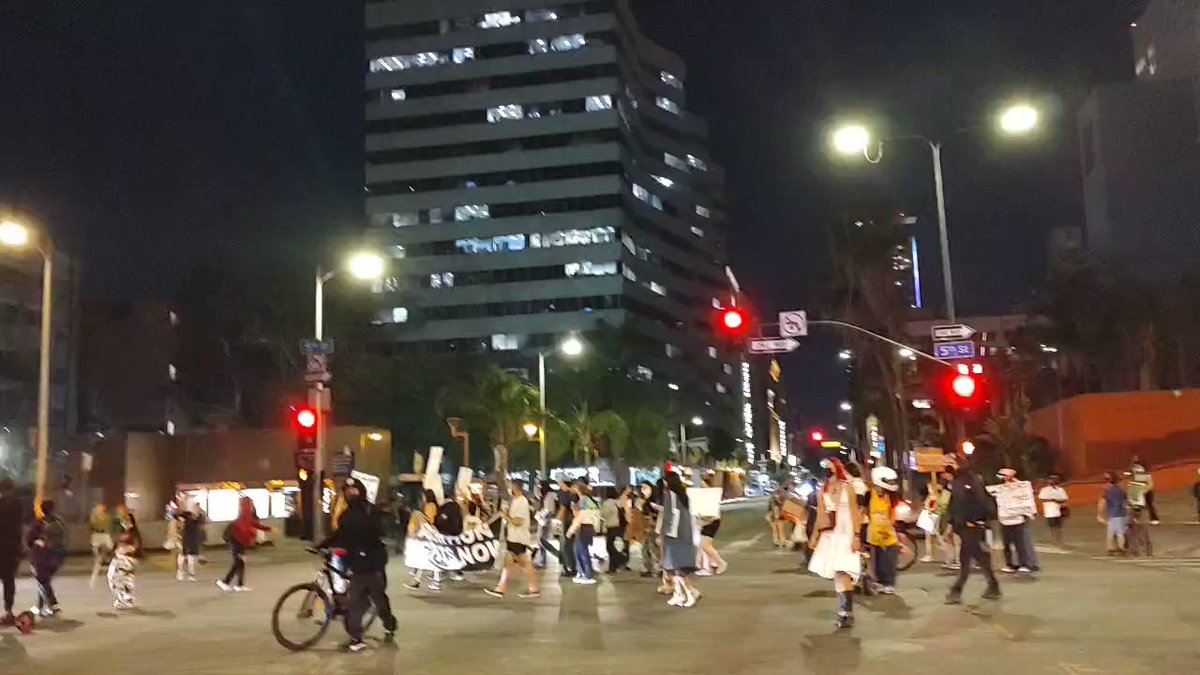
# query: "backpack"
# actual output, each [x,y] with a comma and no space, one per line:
[449,518]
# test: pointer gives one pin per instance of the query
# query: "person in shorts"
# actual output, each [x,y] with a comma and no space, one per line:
[1054,505]
[517,517]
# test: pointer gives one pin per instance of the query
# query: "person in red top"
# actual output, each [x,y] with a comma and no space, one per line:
[240,535]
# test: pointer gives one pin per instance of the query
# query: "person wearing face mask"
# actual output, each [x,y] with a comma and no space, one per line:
[360,533]
[648,504]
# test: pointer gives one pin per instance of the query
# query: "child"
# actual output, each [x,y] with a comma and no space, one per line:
[121,572]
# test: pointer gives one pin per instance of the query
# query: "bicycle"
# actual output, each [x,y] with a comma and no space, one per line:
[319,603]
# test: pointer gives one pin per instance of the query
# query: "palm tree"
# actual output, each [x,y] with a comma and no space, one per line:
[495,402]
[589,432]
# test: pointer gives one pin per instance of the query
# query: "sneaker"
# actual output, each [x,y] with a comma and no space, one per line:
[1024,570]
[435,588]
[355,646]
[224,586]
[887,590]
[494,593]
[457,576]
[241,589]
[179,576]
[704,573]
[586,581]
[413,586]
[676,600]
[992,593]
[191,577]
[1154,522]
[1007,570]
[531,595]
[927,558]
[953,598]
[721,568]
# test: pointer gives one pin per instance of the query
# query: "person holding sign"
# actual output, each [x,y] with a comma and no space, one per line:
[1015,510]
[517,516]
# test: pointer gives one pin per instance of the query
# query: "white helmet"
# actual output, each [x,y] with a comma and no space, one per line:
[885,478]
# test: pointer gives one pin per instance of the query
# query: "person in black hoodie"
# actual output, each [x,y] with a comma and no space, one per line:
[971,508]
[10,547]
[46,541]
[360,533]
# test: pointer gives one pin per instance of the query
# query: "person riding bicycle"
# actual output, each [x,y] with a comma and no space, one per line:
[360,533]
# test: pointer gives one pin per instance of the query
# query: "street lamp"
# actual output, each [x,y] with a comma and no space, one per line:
[363,265]
[846,406]
[570,347]
[17,235]
[845,355]
[697,421]
[905,353]
[531,430]
[853,139]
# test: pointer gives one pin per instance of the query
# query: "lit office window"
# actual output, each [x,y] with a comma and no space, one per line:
[567,43]
[463,54]
[508,111]
[665,182]
[697,231]
[172,372]
[538,46]
[668,105]
[672,351]
[505,342]
[471,212]
[716,303]
[697,163]
[628,273]
[670,79]
[703,211]
[643,373]
[397,219]
[712,352]
[646,196]
[721,389]
[536,15]
[590,269]
[388,64]
[728,369]
[498,244]
[398,94]
[499,20]
[398,252]
[674,162]
[594,103]
[658,288]
[574,237]
[441,280]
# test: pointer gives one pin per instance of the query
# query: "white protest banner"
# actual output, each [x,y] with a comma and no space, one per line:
[1014,501]
[370,484]
[704,502]
[462,483]
[429,549]
[433,473]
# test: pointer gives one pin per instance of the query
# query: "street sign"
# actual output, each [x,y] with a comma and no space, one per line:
[316,368]
[341,463]
[773,345]
[793,323]
[954,350]
[310,346]
[313,378]
[958,331]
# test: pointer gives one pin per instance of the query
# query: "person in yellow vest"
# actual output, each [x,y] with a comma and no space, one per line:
[881,528]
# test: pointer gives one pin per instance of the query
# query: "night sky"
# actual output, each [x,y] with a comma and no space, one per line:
[148,135]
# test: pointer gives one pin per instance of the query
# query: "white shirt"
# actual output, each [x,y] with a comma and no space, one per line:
[518,509]
[1050,496]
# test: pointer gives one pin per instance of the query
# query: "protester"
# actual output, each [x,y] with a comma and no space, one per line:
[121,571]
[881,528]
[778,524]
[545,517]
[428,515]
[46,542]
[971,508]
[1196,494]
[100,526]
[679,548]
[360,534]
[10,548]
[649,503]
[1111,510]
[1016,509]
[192,538]
[472,520]
[836,554]
[1054,508]
[950,541]
[587,519]
[240,536]
[1140,474]
[567,500]
[612,512]
[519,541]
[712,561]
[401,514]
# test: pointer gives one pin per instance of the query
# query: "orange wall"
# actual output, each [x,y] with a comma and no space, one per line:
[1094,433]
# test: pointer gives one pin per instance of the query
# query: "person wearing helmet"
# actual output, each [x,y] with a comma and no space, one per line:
[360,533]
[881,528]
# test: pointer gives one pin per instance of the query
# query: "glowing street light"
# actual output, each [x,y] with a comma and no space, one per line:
[697,421]
[846,406]
[1021,118]
[851,139]
[906,353]
[968,448]
[530,429]
[845,355]
[366,265]
[13,234]
[572,346]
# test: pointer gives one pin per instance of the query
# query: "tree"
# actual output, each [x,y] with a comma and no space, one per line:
[1006,442]
[495,403]
[593,432]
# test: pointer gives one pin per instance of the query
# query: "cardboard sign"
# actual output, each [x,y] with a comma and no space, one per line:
[433,473]
[705,502]
[1014,501]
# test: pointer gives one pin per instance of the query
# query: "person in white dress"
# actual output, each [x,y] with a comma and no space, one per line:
[836,555]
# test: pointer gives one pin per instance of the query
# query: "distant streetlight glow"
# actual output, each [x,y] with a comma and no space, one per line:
[841,427]
[968,448]
[366,265]
[1021,118]
[851,139]
[530,429]
[845,355]
[672,386]
[13,234]
[906,353]
[375,436]
[846,406]
[697,421]
[572,346]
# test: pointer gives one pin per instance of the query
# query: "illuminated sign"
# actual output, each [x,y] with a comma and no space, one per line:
[747,415]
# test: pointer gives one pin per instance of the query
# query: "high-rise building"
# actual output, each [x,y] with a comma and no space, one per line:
[533,169]
[1138,150]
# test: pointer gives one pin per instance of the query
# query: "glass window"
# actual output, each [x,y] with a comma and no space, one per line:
[628,273]
[703,211]
[658,288]
[697,163]
[712,352]
[646,196]
[508,111]
[575,237]
[543,110]
[498,244]
[668,105]
[538,46]
[670,79]
[441,280]
[727,368]
[627,241]
[716,303]
[471,212]
[406,61]
[567,43]
[504,342]
[697,231]
[665,182]
[594,103]
[398,94]
[674,162]
[590,269]
[643,373]
[534,15]
[463,54]
[172,372]
[499,20]
[399,314]
[672,351]
[721,389]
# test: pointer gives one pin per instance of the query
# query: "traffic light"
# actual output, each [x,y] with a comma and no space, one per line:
[733,320]
[817,436]
[304,419]
[966,388]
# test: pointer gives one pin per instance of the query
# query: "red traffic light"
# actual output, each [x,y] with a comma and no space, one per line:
[964,386]
[733,319]
[817,436]
[306,418]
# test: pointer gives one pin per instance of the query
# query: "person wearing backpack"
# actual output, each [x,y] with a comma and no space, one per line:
[971,509]
[586,523]
[46,542]
[240,536]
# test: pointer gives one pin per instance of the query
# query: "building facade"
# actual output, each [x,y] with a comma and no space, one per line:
[532,169]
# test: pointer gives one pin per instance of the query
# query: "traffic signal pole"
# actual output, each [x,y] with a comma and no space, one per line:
[318,404]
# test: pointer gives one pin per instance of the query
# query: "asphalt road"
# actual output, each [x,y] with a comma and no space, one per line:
[1083,615]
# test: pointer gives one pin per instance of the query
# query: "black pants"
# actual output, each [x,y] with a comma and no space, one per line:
[43,572]
[8,579]
[617,560]
[973,548]
[367,588]
[566,554]
[237,570]
[1150,505]
[884,560]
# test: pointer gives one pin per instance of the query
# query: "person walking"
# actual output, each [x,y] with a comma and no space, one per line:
[712,562]
[428,515]
[240,536]
[649,503]
[191,540]
[587,519]
[519,541]
[1111,510]
[360,533]
[1016,509]
[950,541]
[1141,475]
[46,542]
[10,548]
[100,527]
[1196,494]
[971,508]
[547,507]
[881,528]
[1054,507]
[401,514]
[775,519]
[121,572]
[612,512]
[677,529]
[567,501]
[836,554]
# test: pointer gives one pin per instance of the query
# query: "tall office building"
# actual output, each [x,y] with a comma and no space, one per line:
[1138,150]
[533,170]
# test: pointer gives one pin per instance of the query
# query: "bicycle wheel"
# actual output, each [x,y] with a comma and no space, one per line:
[301,616]
[908,552]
